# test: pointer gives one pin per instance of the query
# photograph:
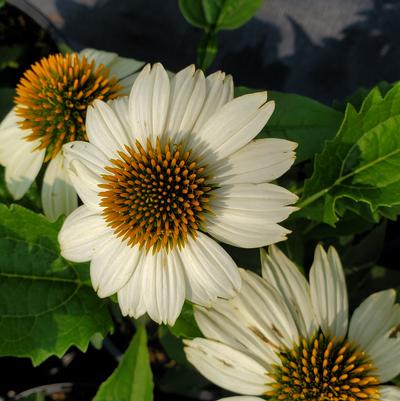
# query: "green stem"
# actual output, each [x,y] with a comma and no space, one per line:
[207,50]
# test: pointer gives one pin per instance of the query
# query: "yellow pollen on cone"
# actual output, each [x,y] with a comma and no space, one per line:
[155,196]
[53,96]
[324,369]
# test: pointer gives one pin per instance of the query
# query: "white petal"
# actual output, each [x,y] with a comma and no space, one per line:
[131,295]
[22,167]
[245,215]
[98,56]
[188,90]
[86,184]
[389,393]
[265,312]
[104,129]
[262,160]
[372,317]
[329,293]
[19,154]
[219,92]
[232,127]
[122,67]
[85,165]
[385,354]
[163,287]
[284,275]
[120,107]
[148,102]
[11,136]
[89,155]
[241,398]
[226,323]
[127,83]
[82,234]
[226,367]
[112,266]
[58,194]
[210,271]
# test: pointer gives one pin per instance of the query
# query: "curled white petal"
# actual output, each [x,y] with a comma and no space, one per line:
[227,367]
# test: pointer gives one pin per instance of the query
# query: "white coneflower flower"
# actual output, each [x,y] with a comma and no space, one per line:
[51,102]
[291,340]
[163,169]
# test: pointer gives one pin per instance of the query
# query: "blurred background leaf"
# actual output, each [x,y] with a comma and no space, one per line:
[299,119]
[132,380]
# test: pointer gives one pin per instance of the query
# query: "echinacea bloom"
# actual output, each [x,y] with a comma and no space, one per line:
[50,109]
[164,171]
[292,340]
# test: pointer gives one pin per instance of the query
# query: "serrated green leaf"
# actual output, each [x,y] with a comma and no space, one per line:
[361,164]
[357,98]
[47,304]
[299,119]
[132,380]
[186,326]
[213,15]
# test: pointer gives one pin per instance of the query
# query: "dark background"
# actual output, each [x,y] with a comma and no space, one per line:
[324,49]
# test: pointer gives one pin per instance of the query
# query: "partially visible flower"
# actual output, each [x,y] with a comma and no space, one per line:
[291,340]
[163,169]
[50,109]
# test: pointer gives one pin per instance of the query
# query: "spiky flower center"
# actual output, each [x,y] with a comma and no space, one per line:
[53,96]
[155,196]
[324,369]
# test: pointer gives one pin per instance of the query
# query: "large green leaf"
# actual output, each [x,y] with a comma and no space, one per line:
[132,380]
[46,303]
[299,119]
[361,164]
[218,14]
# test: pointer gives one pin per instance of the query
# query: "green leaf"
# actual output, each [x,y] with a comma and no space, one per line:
[186,326]
[357,98]
[361,164]
[193,11]
[6,101]
[299,119]
[46,303]
[213,15]
[132,380]
[235,13]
